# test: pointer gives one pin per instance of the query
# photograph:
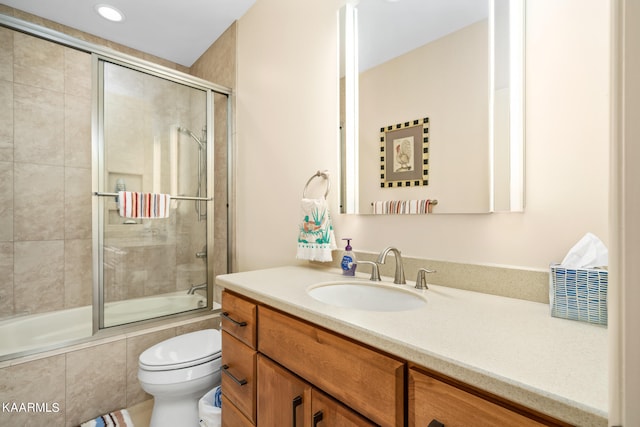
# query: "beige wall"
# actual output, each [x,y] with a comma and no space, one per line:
[287,129]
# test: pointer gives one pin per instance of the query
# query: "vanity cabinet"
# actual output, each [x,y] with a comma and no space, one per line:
[295,373]
[435,400]
[364,379]
[286,400]
[239,356]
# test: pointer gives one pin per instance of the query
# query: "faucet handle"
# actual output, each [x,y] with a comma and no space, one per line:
[375,269]
[421,280]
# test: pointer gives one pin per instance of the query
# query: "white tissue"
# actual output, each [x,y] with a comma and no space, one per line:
[589,252]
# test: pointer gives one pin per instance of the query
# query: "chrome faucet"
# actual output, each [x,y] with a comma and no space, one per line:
[421,280]
[375,270]
[398,278]
[192,290]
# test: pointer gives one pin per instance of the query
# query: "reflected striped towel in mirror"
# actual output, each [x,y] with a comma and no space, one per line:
[391,207]
[133,204]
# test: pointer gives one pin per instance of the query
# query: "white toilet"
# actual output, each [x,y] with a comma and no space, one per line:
[177,372]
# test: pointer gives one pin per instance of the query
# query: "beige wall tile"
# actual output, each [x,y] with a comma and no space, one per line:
[197,326]
[6,121]
[39,276]
[6,201]
[78,278]
[38,62]
[77,203]
[38,202]
[40,381]
[38,125]
[6,54]
[135,346]
[77,131]
[77,73]
[96,381]
[6,279]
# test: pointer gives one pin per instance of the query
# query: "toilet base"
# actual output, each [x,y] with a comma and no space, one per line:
[177,405]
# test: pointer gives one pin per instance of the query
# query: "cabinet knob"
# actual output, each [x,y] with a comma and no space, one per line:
[317,417]
[435,423]
[235,322]
[225,370]
[297,401]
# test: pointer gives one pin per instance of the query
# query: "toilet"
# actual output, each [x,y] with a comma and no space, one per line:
[177,372]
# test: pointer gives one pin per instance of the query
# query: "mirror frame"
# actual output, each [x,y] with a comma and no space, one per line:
[349,93]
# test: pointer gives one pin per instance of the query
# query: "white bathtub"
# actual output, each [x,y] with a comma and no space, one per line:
[26,333]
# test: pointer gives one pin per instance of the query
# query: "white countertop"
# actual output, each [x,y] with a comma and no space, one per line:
[510,347]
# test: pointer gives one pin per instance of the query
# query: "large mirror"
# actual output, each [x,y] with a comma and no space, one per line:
[453,69]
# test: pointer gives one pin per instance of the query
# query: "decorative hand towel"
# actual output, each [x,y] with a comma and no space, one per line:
[119,418]
[316,239]
[143,205]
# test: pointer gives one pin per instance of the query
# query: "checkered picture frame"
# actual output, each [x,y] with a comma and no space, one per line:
[418,172]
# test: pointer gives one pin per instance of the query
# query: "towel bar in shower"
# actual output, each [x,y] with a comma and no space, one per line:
[204,199]
[322,174]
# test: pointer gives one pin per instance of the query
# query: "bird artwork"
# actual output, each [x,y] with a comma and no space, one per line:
[403,154]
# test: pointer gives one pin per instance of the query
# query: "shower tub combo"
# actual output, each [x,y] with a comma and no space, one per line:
[63,326]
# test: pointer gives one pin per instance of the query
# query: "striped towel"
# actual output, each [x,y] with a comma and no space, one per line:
[143,205]
[401,207]
[119,418]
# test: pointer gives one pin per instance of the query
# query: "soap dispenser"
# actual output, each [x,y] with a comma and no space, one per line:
[348,263]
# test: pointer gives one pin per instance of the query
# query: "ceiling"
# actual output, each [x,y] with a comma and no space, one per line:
[179,31]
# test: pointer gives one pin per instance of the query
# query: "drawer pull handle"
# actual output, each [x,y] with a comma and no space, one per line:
[226,316]
[317,417]
[435,423]
[225,369]
[297,401]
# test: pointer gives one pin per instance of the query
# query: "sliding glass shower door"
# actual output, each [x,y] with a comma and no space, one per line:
[153,136]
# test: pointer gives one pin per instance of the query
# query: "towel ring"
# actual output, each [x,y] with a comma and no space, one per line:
[323,174]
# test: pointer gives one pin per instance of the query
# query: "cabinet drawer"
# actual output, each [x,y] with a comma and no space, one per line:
[232,417]
[239,375]
[367,381]
[239,318]
[432,399]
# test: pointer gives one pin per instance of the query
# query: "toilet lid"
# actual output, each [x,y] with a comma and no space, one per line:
[184,350]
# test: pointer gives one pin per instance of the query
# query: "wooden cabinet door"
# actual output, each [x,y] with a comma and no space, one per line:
[284,400]
[327,412]
[432,400]
[363,379]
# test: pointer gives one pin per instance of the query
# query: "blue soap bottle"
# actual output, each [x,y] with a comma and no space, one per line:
[348,263]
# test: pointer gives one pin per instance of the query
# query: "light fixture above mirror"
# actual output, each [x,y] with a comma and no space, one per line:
[468,110]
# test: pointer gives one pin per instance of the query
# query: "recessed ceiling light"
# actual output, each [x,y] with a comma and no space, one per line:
[110,13]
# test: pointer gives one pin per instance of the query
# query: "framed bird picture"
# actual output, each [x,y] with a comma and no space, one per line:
[404,154]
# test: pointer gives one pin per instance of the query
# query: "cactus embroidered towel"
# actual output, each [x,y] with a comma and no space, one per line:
[316,239]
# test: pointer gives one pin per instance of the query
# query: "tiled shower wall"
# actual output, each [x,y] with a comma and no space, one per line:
[45,175]
[87,380]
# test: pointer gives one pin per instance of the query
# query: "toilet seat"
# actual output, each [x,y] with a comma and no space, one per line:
[183,351]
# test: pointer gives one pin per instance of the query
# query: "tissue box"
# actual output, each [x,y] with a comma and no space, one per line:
[579,293]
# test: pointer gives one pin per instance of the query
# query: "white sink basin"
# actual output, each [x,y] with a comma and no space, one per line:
[372,296]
